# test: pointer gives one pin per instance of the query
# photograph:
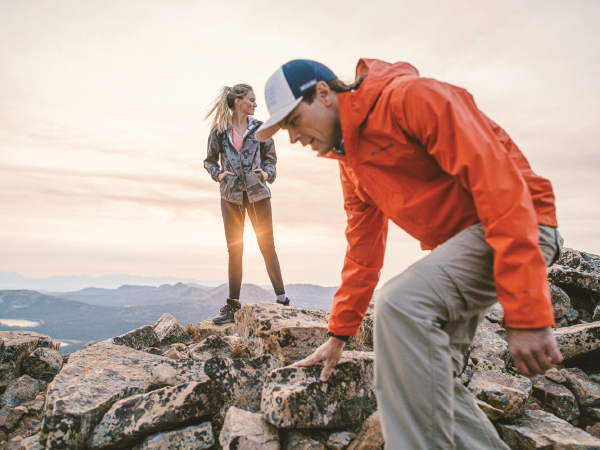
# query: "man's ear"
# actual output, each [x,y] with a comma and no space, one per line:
[324,93]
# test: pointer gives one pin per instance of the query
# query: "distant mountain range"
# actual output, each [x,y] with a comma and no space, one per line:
[13,280]
[95,314]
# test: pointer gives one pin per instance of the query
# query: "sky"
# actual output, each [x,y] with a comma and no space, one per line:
[102,137]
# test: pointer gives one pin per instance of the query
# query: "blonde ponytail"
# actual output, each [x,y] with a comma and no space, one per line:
[222,106]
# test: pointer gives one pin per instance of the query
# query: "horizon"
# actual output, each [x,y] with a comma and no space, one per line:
[102,135]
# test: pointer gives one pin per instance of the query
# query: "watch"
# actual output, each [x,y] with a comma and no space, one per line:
[341,338]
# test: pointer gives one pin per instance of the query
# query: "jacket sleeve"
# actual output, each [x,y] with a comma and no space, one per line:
[269,159]
[366,234]
[211,163]
[446,121]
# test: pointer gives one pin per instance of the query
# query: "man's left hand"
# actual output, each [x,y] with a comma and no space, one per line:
[329,353]
[533,351]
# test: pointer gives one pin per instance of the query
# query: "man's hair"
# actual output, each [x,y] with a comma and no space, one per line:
[337,86]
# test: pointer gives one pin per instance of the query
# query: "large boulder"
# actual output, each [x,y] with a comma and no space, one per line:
[10,417]
[213,345]
[15,346]
[208,328]
[289,333]
[43,364]
[500,388]
[370,436]
[240,381]
[168,330]
[555,398]
[198,437]
[363,339]
[294,397]
[176,372]
[578,274]
[580,345]
[247,430]
[138,339]
[88,385]
[135,417]
[539,430]
[294,440]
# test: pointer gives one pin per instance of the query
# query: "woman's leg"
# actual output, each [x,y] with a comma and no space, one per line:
[262,222]
[233,220]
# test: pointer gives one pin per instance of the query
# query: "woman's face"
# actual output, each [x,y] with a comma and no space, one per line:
[246,105]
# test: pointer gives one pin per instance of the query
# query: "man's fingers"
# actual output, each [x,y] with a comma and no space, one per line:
[306,362]
[554,354]
[326,372]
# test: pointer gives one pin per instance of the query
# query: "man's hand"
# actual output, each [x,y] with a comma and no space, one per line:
[222,175]
[533,351]
[264,174]
[329,353]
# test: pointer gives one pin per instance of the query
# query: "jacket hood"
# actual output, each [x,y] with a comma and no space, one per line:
[379,75]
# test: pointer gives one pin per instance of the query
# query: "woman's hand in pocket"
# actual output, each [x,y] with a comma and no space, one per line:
[222,175]
[265,175]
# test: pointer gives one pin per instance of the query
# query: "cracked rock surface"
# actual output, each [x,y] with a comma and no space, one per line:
[247,430]
[138,339]
[555,398]
[294,397]
[197,437]
[168,330]
[88,385]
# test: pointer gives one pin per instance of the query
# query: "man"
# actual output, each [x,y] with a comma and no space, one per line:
[419,152]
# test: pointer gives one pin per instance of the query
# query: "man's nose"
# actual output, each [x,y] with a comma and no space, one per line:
[294,136]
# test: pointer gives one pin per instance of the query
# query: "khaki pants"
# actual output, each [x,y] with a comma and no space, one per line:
[425,320]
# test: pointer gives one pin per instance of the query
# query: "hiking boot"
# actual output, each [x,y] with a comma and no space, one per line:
[285,302]
[227,312]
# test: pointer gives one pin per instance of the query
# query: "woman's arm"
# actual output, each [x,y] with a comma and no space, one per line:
[211,163]
[269,159]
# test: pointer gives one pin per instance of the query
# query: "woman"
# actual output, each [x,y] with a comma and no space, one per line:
[242,165]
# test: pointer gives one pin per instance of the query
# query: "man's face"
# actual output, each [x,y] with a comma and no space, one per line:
[316,124]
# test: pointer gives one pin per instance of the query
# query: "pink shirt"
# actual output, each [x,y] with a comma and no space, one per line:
[237,142]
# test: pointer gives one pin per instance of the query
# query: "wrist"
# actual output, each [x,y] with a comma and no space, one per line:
[343,339]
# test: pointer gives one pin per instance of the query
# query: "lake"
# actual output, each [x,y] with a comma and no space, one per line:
[19,323]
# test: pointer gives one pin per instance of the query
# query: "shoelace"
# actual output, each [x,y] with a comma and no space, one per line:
[225,309]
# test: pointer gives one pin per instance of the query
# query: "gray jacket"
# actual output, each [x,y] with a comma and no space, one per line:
[223,157]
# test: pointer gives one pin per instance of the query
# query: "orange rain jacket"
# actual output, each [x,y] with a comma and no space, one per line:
[419,152]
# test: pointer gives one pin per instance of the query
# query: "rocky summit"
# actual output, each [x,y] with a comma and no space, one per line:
[165,386]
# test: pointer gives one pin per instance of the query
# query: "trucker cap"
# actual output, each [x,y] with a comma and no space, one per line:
[286,88]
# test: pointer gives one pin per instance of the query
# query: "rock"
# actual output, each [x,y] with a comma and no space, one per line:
[580,345]
[196,437]
[93,380]
[209,347]
[491,412]
[370,436]
[571,315]
[34,427]
[294,397]
[15,346]
[340,440]
[172,353]
[138,339]
[596,316]
[593,412]
[561,323]
[37,404]
[488,345]
[153,350]
[560,301]
[289,333]
[90,343]
[578,274]
[594,430]
[555,398]
[174,373]
[43,364]
[246,430]
[585,316]
[298,441]
[554,375]
[31,443]
[495,313]
[22,390]
[9,417]
[135,417]
[541,430]
[169,330]
[240,381]
[504,390]
[14,443]
[363,339]
[208,328]
[586,391]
